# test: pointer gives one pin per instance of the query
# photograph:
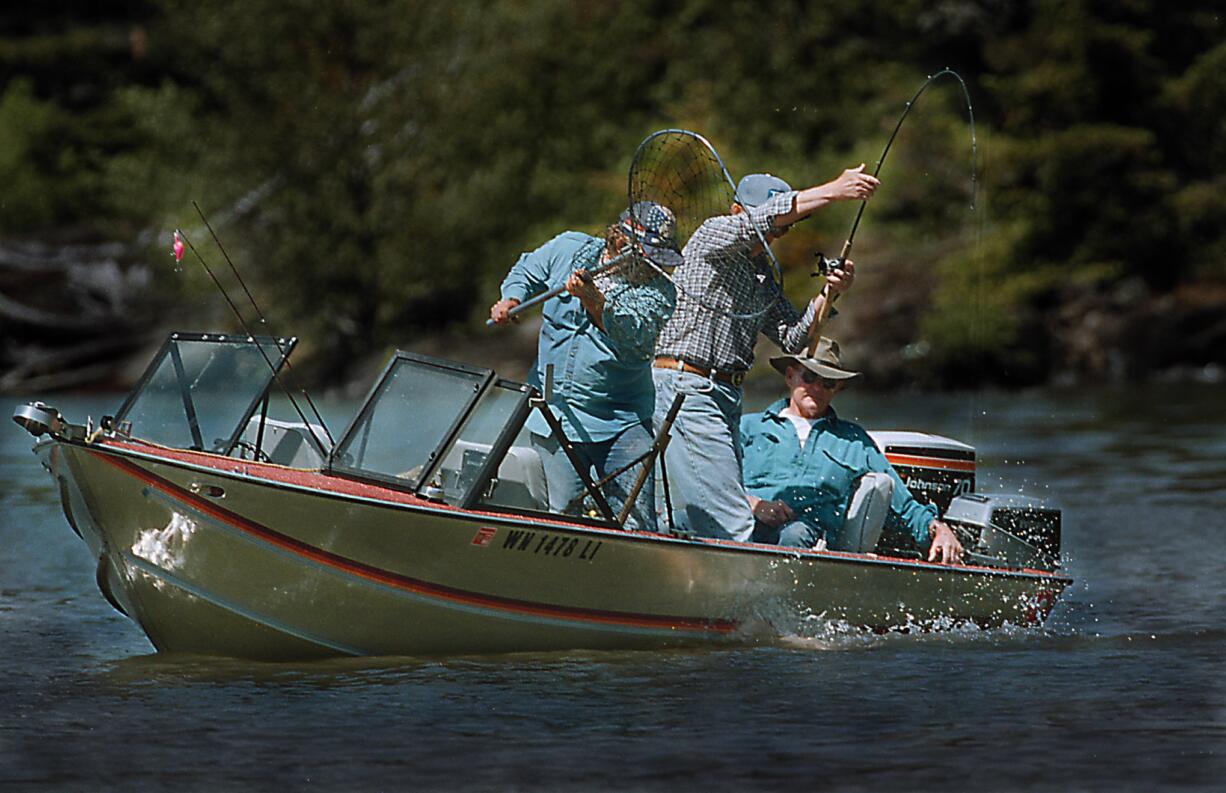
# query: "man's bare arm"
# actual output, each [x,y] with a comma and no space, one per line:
[851,185]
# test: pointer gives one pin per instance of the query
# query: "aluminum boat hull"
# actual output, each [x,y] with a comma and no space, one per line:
[216,555]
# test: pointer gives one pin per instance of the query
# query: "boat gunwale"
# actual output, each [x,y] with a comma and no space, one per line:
[391,498]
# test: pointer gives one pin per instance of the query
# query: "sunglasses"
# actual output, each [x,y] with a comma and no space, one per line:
[812,377]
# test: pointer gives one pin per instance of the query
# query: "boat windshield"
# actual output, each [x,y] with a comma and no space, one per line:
[417,406]
[452,433]
[201,389]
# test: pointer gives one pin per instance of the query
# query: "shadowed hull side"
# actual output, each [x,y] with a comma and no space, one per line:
[223,556]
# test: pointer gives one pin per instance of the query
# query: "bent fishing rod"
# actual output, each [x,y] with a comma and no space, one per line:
[825,265]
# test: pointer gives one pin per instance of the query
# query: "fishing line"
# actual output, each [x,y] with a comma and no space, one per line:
[827,265]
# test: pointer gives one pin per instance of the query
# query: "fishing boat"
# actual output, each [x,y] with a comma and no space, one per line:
[223,524]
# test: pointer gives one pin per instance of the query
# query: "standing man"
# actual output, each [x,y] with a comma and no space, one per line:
[707,346]
[599,335]
[802,463]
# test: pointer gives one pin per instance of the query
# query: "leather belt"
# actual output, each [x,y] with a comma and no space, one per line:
[732,378]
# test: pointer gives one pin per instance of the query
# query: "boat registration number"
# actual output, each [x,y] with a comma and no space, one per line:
[541,543]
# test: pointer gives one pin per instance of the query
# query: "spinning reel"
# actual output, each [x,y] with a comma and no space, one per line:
[825,265]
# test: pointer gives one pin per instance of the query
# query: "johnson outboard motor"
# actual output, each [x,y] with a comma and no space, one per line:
[935,469]
[996,530]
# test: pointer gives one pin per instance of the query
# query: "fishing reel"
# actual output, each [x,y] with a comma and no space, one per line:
[825,266]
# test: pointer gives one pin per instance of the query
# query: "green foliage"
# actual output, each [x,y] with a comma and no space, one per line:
[32,197]
[53,162]
[376,167]
[978,325]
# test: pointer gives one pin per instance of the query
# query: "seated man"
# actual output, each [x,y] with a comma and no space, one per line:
[802,462]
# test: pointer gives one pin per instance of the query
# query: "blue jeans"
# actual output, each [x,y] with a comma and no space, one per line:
[703,459]
[794,534]
[600,458]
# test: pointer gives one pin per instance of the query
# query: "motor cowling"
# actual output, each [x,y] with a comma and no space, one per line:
[935,469]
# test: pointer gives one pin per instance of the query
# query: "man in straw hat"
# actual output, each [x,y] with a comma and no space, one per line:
[802,463]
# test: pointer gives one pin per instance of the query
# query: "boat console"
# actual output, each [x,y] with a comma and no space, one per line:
[283,442]
[520,481]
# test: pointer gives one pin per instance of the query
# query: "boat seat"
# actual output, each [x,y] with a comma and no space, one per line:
[284,443]
[866,514]
[520,481]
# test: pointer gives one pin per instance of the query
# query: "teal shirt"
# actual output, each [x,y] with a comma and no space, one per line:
[602,378]
[816,481]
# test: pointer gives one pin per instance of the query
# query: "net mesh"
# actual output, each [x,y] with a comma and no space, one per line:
[681,171]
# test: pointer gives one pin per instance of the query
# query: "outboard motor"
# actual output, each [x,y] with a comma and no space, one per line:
[935,469]
[1003,530]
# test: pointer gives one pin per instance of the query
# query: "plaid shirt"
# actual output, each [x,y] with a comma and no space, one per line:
[719,271]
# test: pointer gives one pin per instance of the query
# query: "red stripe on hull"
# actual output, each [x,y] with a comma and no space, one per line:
[406,583]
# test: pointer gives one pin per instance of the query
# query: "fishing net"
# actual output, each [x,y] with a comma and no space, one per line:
[681,172]
[677,183]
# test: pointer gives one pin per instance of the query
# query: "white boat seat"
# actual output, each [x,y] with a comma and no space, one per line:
[520,481]
[866,514]
[284,443]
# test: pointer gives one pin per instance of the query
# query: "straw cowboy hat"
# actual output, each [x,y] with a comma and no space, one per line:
[826,361]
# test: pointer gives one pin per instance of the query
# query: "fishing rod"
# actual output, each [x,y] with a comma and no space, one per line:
[179,233]
[263,321]
[825,265]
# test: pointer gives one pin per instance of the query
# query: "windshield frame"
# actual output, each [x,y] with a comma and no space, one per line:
[426,484]
[334,466]
[498,449]
[169,348]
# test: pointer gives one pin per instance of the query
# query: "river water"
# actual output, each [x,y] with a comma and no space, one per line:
[1123,689]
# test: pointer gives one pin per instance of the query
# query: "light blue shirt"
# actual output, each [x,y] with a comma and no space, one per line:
[816,480]
[602,378]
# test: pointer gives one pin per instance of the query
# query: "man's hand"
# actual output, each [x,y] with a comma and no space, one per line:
[852,185]
[945,546]
[499,312]
[841,279]
[581,285]
[773,513]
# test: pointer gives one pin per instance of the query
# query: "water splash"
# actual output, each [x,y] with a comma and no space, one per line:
[166,547]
